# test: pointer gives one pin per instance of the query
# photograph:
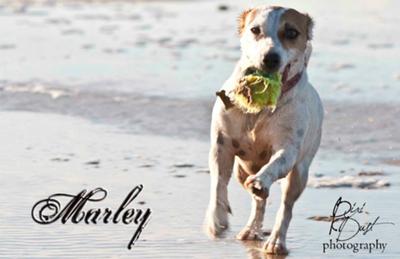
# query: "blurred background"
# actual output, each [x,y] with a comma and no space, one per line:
[124,61]
[137,80]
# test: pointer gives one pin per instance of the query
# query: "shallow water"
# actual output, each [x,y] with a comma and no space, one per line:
[54,160]
[138,64]
[166,48]
[131,67]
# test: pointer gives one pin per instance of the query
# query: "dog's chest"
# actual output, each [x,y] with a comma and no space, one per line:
[250,140]
[252,151]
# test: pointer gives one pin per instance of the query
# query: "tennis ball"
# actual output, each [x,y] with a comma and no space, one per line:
[258,91]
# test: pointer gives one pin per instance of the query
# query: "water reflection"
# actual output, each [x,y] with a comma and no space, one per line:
[255,251]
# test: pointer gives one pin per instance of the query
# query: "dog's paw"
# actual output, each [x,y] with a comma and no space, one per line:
[276,246]
[216,222]
[249,233]
[255,185]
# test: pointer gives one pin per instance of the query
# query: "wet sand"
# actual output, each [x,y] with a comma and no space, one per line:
[84,104]
[53,154]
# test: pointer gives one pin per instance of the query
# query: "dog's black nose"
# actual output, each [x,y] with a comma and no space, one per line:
[272,61]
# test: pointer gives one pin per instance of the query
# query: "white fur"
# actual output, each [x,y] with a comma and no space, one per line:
[292,133]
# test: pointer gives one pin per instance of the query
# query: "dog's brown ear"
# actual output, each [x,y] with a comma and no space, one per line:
[242,21]
[310,27]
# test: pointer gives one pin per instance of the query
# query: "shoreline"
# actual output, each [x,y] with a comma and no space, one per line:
[58,153]
[190,118]
[114,94]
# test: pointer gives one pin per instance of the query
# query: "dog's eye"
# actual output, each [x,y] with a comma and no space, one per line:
[255,30]
[291,34]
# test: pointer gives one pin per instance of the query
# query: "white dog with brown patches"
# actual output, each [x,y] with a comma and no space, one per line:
[265,147]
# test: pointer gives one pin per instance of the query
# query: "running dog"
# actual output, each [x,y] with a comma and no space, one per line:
[270,145]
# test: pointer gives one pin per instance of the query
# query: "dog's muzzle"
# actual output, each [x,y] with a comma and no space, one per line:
[271,62]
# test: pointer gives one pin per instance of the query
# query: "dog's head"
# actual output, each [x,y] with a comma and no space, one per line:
[271,38]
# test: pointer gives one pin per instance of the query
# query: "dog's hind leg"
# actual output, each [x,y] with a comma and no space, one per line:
[253,228]
[292,186]
[221,161]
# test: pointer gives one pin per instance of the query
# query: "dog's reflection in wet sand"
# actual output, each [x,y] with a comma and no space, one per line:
[255,250]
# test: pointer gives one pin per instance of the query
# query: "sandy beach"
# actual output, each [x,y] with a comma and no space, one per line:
[116,94]
[57,158]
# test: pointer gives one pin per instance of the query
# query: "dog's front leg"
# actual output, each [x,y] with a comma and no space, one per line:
[292,186]
[281,162]
[221,160]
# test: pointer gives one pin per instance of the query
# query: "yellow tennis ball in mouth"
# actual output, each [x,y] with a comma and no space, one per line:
[258,91]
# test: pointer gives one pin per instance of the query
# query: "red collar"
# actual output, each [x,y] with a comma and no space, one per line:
[289,83]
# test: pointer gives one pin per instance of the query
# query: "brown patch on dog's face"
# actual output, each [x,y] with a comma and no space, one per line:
[245,18]
[295,30]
